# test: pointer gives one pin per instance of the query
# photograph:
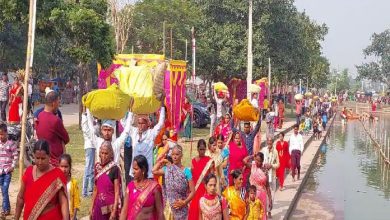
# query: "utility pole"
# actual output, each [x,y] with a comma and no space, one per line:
[193,55]
[269,80]
[300,86]
[250,55]
[307,85]
[29,61]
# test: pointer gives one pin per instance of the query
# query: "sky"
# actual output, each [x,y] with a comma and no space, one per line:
[351,24]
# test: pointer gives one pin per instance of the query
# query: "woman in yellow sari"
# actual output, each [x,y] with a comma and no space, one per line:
[235,196]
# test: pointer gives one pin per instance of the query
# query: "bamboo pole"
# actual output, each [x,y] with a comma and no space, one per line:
[164,38]
[171,44]
[193,56]
[29,59]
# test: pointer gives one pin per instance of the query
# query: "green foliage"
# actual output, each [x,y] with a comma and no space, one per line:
[12,46]
[339,81]
[74,32]
[280,32]
[379,51]
[68,33]
[8,8]
[89,35]
[147,32]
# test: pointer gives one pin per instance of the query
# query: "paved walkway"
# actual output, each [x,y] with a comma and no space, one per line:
[285,201]
[70,113]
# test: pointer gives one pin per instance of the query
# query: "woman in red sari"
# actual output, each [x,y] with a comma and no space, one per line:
[284,159]
[224,128]
[238,153]
[143,198]
[201,166]
[42,192]
[14,100]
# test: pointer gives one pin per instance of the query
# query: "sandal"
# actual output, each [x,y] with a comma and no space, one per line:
[5,213]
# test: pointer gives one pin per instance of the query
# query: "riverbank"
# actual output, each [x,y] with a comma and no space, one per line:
[349,179]
[285,201]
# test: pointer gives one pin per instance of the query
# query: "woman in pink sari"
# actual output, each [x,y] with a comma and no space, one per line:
[201,166]
[143,198]
[106,195]
[224,128]
[238,153]
[259,178]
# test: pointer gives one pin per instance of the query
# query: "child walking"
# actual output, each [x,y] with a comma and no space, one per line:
[71,186]
[254,205]
[8,158]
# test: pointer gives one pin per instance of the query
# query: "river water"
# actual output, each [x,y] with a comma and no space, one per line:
[349,180]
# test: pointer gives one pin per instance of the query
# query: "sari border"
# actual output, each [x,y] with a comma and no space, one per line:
[202,175]
[105,169]
[45,198]
[142,197]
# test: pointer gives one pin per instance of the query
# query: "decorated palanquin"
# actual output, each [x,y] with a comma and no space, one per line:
[175,91]
[174,82]
[107,77]
[263,83]
[237,90]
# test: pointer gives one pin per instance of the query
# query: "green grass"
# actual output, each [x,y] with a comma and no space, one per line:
[76,149]
[76,145]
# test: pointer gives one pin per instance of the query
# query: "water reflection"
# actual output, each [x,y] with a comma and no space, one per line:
[350,180]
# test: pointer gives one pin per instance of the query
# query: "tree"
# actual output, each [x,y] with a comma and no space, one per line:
[280,32]
[90,37]
[122,21]
[340,81]
[147,31]
[379,51]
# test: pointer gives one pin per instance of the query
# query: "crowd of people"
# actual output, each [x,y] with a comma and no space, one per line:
[231,177]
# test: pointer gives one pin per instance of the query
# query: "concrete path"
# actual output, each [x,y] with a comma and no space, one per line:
[285,201]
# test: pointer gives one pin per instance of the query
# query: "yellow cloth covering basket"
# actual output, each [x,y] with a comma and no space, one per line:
[110,103]
[245,111]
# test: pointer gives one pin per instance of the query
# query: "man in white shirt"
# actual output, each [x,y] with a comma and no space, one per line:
[143,137]
[296,149]
[271,159]
[90,151]
[107,130]
[220,99]
[271,162]
[255,100]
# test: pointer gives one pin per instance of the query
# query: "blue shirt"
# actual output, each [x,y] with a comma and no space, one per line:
[186,171]
[56,88]
[248,138]
[128,142]
[225,153]
[38,111]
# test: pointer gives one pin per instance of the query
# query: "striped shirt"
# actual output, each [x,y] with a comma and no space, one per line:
[8,156]
[4,89]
